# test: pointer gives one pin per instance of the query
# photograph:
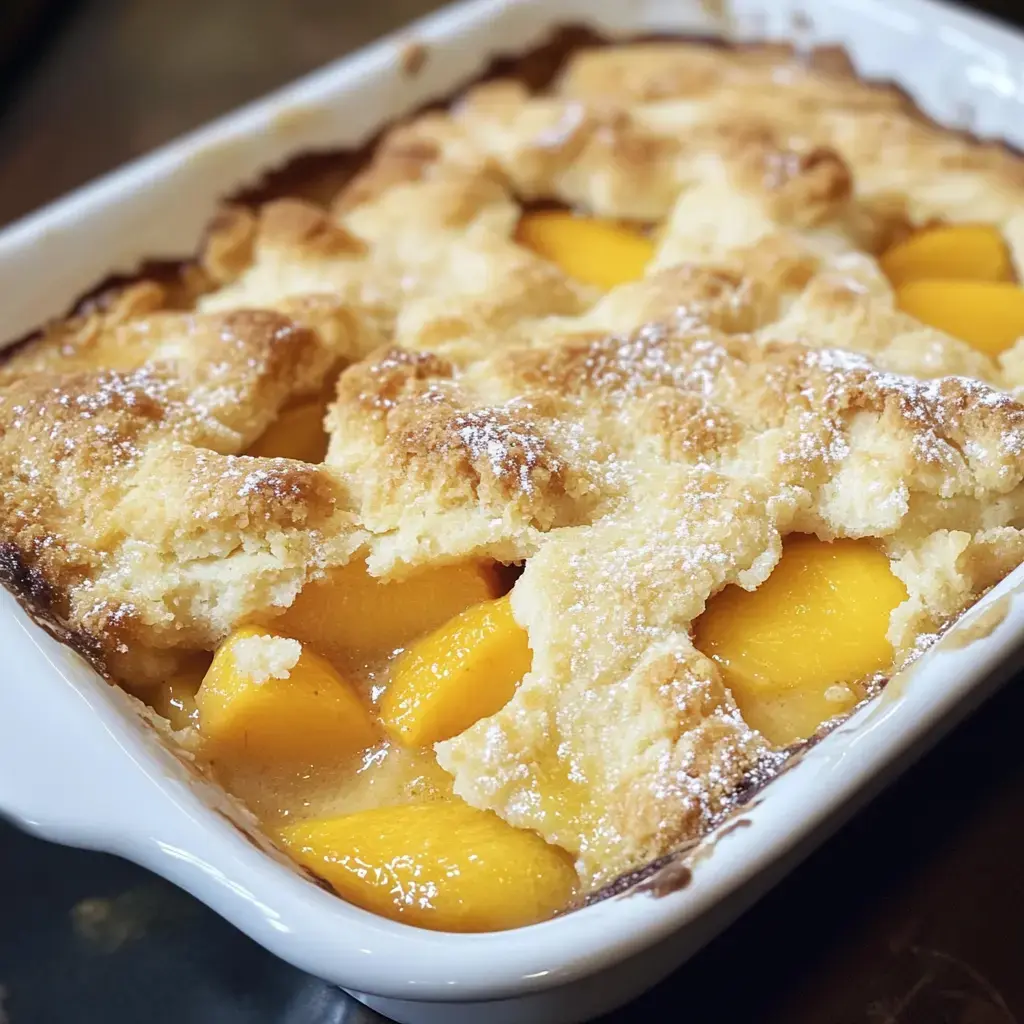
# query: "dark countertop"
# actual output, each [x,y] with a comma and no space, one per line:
[912,914]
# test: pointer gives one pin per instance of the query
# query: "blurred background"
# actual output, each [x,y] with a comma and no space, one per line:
[913,914]
[88,84]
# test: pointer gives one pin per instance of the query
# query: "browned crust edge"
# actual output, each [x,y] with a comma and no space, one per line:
[30,589]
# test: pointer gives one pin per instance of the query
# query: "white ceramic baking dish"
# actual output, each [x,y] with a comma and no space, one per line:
[78,766]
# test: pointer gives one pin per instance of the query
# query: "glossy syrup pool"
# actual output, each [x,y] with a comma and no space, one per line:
[384,775]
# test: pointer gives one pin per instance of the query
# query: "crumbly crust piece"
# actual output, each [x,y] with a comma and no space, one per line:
[640,449]
[127,511]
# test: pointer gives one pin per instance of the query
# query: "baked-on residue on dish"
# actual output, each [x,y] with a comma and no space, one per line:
[639,446]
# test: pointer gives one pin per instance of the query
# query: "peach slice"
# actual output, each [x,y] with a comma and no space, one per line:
[297,433]
[593,251]
[988,315]
[962,252]
[466,670]
[798,650]
[349,616]
[441,865]
[267,700]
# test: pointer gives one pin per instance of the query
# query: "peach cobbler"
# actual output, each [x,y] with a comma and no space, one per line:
[492,531]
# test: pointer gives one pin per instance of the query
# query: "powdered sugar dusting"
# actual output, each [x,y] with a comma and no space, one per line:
[510,448]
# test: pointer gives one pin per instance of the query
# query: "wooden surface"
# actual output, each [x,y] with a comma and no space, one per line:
[913,914]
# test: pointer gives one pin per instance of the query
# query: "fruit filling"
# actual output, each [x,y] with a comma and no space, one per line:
[442,865]
[271,700]
[988,315]
[175,698]
[464,671]
[324,719]
[354,620]
[962,252]
[808,643]
[593,251]
[323,723]
[959,279]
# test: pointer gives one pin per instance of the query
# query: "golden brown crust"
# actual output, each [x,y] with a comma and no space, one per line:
[641,449]
[405,155]
[122,484]
[228,245]
[298,225]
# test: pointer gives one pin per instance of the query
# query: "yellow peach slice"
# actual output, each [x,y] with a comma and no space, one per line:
[988,315]
[441,865]
[268,700]
[349,616]
[593,251]
[798,650]
[466,670]
[962,252]
[297,433]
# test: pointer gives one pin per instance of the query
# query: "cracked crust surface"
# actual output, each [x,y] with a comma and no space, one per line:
[639,449]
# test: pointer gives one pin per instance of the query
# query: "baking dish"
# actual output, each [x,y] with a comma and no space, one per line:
[114,787]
